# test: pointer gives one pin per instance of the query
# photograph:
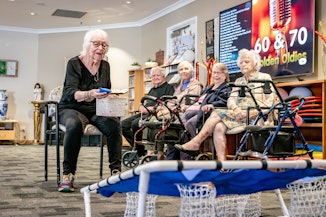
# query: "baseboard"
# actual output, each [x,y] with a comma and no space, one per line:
[25,142]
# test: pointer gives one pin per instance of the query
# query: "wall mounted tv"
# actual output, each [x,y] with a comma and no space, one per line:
[281,31]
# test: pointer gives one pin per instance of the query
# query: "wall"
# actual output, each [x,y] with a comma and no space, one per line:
[42,57]
[24,48]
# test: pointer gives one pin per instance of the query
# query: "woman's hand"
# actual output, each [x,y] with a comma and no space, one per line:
[207,108]
[239,114]
[95,93]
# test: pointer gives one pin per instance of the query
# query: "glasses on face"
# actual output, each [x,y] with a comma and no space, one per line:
[218,73]
[97,44]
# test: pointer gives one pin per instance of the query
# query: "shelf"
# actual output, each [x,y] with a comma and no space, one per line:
[136,89]
[314,133]
[9,130]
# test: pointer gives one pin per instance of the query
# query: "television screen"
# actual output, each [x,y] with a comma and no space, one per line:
[281,31]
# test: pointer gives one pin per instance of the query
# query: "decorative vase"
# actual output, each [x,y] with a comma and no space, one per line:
[3,104]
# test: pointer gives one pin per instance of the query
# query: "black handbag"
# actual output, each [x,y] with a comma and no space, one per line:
[283,144]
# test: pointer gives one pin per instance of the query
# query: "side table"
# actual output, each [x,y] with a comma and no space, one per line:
[9,130]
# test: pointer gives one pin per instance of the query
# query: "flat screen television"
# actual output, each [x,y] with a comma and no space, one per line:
[281,31]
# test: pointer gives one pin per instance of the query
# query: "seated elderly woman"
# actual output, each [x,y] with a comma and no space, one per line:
[235,116]
[214,95]
[188,86]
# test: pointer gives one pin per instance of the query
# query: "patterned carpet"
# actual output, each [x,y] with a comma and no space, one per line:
[25,193]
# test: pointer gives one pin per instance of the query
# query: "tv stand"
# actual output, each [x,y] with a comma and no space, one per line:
[314,133]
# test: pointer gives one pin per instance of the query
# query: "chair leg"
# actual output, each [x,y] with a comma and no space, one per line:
[45,160]
[101,156]
[45,143]
[58,156]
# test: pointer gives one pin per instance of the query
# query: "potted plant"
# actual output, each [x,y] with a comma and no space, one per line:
[135,66]
[150,63]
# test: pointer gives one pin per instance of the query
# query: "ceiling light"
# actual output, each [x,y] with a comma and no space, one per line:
[33,13]
[99,21]
[128,2]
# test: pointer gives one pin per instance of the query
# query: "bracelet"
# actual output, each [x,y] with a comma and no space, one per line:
[87,96]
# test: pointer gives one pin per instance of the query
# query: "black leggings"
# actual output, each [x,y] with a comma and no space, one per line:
[75,123]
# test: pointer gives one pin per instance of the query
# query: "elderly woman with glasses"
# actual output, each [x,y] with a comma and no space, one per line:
[214,95]
[85,73]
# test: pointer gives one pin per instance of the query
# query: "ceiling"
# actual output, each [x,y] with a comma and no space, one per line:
[16,14]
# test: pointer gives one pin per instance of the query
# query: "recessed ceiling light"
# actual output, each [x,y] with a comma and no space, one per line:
[99,21]
[33,13]
[128,2]
[11,0]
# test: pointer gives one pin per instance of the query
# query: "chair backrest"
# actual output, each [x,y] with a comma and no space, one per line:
[56,93]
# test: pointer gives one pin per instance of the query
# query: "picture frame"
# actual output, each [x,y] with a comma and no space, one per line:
[8,68]
[181,42]
[210,39]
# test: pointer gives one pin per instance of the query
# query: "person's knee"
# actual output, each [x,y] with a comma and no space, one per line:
[135,124]
[73,124]
[125,124]
[220,128]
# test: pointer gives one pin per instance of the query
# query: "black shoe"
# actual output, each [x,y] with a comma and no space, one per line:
[115,172]
[190,152]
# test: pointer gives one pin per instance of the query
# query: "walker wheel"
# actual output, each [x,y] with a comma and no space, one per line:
[202,157]
[130,159]
[148,158]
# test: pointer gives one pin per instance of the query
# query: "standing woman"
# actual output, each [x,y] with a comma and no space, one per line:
[235,116]
[84,75]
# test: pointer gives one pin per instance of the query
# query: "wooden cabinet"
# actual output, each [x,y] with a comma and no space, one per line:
[147,80]
[9,130]
[139,85]
[314,133]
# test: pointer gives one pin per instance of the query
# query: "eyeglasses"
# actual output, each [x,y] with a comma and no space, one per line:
[97,44]
[217,73]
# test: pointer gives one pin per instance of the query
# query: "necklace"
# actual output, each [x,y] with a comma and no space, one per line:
[95,77]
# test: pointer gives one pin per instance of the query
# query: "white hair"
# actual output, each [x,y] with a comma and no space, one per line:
[88,37]
[186,63]
[252,55]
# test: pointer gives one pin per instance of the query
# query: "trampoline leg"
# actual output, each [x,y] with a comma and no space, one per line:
[87,201]
[142,189]
[283,206]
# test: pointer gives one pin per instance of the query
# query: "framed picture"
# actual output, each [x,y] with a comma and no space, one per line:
[181,41]
[8,68]
[210,39]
